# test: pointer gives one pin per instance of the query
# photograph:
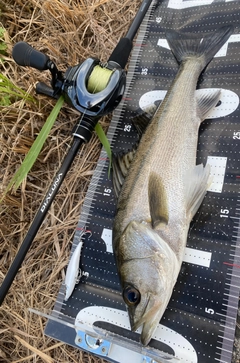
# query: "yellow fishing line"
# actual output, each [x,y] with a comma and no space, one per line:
[98,79]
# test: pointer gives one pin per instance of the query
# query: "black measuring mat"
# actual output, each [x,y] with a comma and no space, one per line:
[199,323]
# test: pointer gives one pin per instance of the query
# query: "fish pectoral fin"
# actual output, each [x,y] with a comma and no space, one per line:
[196,186]
[121,163]
[206,102]
[157,201]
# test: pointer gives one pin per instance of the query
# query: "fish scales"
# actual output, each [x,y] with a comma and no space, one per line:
[170,139]
[164,188]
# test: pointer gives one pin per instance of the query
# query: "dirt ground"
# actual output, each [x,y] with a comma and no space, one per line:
[69,31]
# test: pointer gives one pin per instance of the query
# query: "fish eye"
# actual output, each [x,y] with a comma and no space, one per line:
[131,296]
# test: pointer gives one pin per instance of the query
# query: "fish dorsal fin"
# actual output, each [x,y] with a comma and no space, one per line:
[196,185]
[141,122]
[157,201]
[206,102]
[121,163]
[143,118]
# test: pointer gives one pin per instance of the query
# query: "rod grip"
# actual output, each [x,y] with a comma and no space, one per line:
[25,55]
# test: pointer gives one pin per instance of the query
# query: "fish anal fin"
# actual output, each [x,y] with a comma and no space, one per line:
[121,163]
[196,185]
[157,201]
[206,102]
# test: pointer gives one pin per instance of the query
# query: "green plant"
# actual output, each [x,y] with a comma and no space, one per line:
[36,147]
[3,45]
[9,92]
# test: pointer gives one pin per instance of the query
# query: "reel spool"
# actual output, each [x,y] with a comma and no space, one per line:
[98,79]
[94,89]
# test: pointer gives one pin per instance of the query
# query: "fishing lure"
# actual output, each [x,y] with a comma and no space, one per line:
[74,273]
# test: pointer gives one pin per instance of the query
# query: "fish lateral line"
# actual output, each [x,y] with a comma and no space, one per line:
[139,258]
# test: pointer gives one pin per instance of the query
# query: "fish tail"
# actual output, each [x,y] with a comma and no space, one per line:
[204,47]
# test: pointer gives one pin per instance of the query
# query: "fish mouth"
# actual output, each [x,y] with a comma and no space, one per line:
[148,329]
[149,320]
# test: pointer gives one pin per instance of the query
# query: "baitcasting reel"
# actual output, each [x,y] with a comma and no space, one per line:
[91,88]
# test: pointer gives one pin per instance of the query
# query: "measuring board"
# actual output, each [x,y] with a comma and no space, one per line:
[199,323]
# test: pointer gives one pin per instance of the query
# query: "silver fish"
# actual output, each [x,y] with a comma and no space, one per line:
[164,187]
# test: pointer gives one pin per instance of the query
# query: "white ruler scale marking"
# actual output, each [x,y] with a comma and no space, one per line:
[192,255]
[217,171]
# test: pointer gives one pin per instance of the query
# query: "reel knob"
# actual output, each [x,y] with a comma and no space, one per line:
[26,56]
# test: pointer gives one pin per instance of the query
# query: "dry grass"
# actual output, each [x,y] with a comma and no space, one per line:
[69,31]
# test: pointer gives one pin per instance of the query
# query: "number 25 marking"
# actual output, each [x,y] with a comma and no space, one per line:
[236,135]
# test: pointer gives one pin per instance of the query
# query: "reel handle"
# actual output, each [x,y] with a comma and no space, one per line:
[43,89]
[25,55]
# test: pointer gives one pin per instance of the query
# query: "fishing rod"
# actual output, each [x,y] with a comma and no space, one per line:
[80,90]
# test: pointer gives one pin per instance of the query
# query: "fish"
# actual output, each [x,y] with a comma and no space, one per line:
[159,187]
